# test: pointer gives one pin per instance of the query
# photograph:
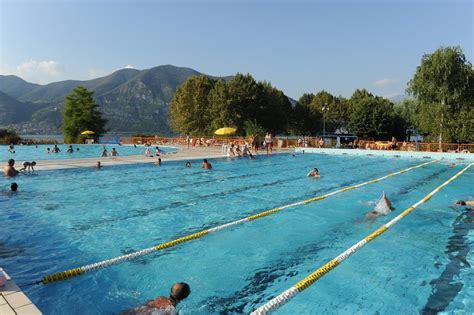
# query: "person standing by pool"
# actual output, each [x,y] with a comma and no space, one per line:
[114,152]
[162,304]
[206,165]
[9,169]
[269,143]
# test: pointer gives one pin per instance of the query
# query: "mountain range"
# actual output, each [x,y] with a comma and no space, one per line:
[133,101]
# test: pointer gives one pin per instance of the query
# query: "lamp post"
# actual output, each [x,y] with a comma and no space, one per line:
[325,110]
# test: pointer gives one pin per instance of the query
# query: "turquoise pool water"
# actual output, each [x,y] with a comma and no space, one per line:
[68,218]
[39,152]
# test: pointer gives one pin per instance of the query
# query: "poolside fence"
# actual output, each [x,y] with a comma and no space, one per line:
[292,142]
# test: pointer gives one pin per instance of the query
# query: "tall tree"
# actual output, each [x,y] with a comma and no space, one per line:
[303,121]
[81,113]
[190,112]
[444,86]
[371,116]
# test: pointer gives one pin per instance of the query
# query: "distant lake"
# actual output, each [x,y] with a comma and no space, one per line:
[57,138]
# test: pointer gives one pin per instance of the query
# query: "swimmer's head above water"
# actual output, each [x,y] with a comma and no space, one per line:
[179,291]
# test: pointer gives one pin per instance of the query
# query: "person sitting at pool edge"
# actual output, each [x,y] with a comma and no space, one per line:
[162,304]
[314,173]
[188,164]
[206,165]
[9,169]
[28,166]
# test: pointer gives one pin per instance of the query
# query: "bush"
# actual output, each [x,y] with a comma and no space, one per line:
[8,136]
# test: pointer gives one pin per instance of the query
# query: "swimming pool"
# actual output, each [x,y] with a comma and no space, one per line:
[39,152]
[68,218]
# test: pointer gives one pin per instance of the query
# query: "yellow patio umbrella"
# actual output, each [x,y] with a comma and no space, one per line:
[87,132]
[226,131]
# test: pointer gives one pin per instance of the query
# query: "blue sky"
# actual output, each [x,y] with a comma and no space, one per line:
[299,46]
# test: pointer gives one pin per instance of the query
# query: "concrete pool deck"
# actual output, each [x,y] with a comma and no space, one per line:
[15,302]
[182,154]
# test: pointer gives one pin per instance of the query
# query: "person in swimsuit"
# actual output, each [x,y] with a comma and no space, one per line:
[162,304]
[314,173]
[469,204]
[56,149]
[383,207]
[206,165]
[114,152]
[28,166]
[188,164]
[9,169]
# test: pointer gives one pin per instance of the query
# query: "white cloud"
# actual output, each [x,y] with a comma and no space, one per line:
[35,71]
[129,67]
[384,82]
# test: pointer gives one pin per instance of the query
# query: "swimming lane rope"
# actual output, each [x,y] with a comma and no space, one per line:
[287,295]
[105,263]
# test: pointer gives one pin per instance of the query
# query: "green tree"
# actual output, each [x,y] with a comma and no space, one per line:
[190,111]
[8,136]
[274,109]
[444,87]
[303,121]
[371,116]
[253,129]
[81,113]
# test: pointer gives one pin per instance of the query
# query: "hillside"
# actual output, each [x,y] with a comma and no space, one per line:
[131,100]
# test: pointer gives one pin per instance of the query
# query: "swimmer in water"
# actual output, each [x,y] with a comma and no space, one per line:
[158,163]
[206,165]
[56,149]
[98,165]
[114,152]
[314,173]
[383,207]
[9,169]
[12,191]
[70,149]
[469,204]
[162,304]
[188,164]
